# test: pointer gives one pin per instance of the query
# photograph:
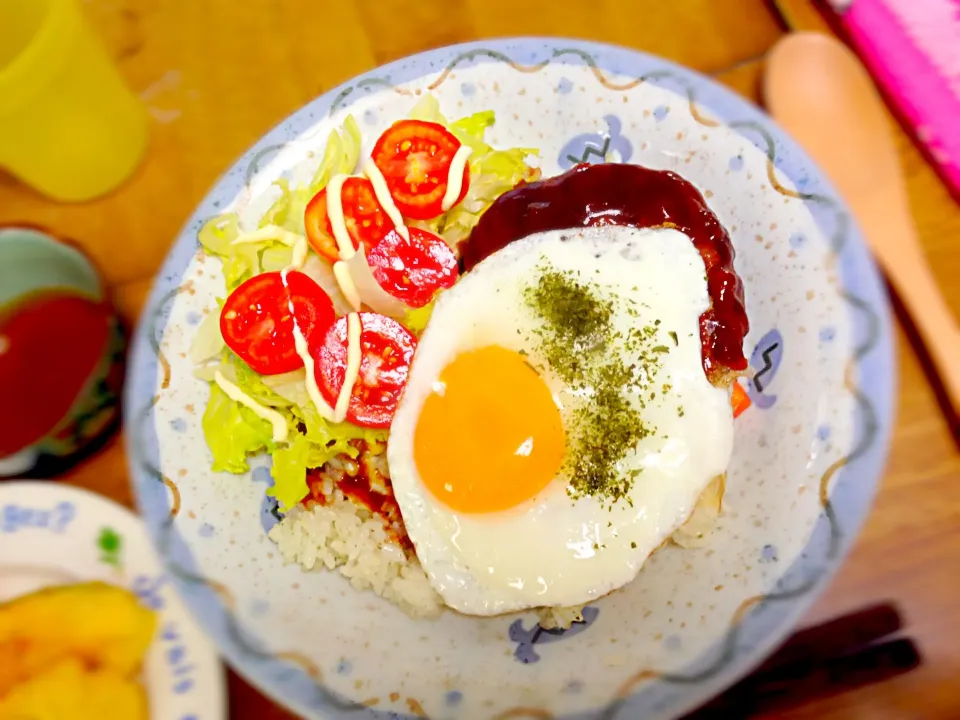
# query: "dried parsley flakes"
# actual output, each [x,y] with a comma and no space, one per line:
[578,341]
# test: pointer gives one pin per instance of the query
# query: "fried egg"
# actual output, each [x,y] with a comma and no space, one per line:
[481,445]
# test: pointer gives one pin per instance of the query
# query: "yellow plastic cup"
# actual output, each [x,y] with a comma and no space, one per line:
[69,126]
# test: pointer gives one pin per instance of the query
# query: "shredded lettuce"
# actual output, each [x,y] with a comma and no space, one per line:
[428,110]
[217,234]
[251,382]
[471,129]
[492,173]
[332,439]
[208,342]
[416,319]
[289,472]
[232,431]
[276,258]
[320,442]
[341,155]
[287,210]
[241,262]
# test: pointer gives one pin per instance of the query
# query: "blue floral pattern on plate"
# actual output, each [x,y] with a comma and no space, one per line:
[526,638]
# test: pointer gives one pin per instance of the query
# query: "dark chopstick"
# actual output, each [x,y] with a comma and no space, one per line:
[820,661]
[836,636]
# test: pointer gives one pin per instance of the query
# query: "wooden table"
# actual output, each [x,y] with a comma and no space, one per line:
[216,74]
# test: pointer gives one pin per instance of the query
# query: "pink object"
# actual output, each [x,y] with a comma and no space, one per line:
[912,48]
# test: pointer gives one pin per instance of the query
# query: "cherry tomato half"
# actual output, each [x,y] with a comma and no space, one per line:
[386,351]
[413,270]
[414,157]
[257,325]
[362,214]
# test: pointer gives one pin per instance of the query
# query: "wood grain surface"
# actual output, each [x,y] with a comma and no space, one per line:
[216,74]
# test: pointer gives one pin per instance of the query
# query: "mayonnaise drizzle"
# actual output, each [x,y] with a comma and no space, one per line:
[335,215]
[341,271]
[282,236]
[382,192]
[299,256]
[233,392]
[269,232]
[455,177]
[353,365]
[303,351]
[313,390]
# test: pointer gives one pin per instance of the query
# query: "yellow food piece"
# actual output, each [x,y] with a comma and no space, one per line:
[88,635]
[69,691]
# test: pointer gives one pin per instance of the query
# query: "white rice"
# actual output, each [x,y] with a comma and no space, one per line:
[338,533]
[344,536]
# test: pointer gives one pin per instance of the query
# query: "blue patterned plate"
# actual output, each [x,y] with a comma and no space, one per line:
[52,534]
[807,459]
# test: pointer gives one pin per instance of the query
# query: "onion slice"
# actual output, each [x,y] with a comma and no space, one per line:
[368,290]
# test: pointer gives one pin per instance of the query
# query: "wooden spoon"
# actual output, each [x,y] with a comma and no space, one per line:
[816,88]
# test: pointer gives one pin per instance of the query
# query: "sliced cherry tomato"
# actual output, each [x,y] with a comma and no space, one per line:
[365,219]
[319,232]
[386,351]
[413,270]
[739,400]
[257,325]
[414,157]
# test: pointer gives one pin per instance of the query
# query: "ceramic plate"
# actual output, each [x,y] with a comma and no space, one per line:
[806,461]
[52,534]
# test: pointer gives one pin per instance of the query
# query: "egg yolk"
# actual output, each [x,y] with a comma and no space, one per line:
[489,435]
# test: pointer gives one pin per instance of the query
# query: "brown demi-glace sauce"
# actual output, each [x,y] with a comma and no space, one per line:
[619,194]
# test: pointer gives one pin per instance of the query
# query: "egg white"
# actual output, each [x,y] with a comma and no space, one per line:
[553,550]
